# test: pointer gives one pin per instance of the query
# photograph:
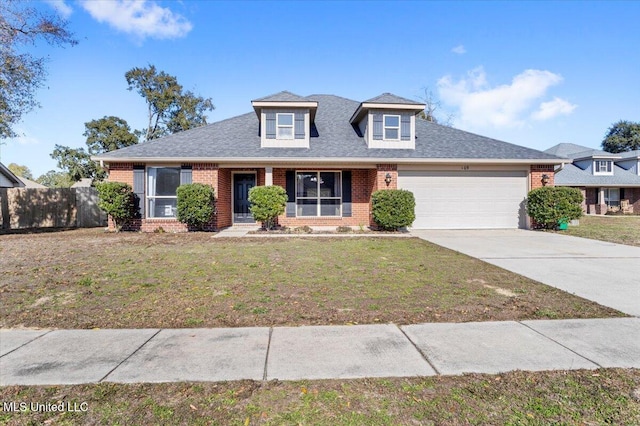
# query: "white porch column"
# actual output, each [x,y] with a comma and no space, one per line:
[601,196]
[268,176]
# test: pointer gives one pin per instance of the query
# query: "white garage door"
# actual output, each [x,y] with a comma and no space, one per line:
[467,199]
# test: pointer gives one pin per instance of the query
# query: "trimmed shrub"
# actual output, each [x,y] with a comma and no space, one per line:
[117,200]
[550,205]
[267,203]
[393,208]
[196,204]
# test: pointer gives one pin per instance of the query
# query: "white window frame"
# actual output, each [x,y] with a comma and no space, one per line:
[318,197]
[286,126]
[385,127]
[150,212]
[607,197]
[599,165]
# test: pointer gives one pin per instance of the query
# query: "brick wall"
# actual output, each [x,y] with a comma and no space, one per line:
[381,175]
[633,195]
[121,172]
[536,175]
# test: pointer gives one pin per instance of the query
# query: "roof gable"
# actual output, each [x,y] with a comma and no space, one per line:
[390,98]
[283,96]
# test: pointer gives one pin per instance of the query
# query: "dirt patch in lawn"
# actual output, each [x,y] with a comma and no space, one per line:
[88,278]
[583,397]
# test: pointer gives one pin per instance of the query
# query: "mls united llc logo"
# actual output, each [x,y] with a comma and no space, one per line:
[39,407]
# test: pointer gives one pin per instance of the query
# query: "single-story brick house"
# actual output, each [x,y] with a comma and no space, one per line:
[609,182]
[331,154]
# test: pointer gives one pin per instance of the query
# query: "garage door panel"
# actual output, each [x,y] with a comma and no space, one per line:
[467,200]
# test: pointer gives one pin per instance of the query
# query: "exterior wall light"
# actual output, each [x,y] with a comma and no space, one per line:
[545,179]
[387,179]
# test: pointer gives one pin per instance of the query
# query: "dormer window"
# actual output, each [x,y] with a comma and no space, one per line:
[285,126]
[603,167]
[286,120]
[391,127]
[387,121]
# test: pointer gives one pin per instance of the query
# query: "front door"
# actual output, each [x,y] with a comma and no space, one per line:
[242,183]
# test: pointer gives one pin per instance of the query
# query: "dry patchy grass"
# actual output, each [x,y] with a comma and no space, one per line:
[582,397]
[88,278]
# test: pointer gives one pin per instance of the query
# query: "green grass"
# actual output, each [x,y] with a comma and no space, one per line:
[191,280]
[582,397]
[614,229]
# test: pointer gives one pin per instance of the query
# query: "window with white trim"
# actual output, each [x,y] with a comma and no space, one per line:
[284,125]
[162,183]
[318,193]
[391,127]
[603,167]
[612,197]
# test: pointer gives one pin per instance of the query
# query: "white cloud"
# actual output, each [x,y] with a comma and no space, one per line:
[61,7]
[139,17]
[552,109]
[25,138]
[459,49]
[504,106]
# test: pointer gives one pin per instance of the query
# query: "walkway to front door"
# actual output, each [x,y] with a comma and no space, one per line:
[242,183]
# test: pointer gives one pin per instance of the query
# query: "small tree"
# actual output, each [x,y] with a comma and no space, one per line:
[117,200]
[393,208]
[267,203]
[550,205]
[196,203]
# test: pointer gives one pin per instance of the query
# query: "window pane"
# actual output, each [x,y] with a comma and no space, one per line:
[307,185]
[285,132]
[391,121]
[167,181]
[285,119]
[163,207]
[329,207]
[391,133]
[307,207]
[329,184]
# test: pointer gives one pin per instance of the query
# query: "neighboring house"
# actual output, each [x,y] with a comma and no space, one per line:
[83,183]
[331,154]
[29,184]
[609,182]
[8,179]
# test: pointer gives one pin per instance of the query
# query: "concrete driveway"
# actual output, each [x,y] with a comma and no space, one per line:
[606,273]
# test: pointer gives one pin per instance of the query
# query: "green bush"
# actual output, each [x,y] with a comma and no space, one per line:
[267,203]
[549,205]
[196,204]
[117,200]
[393,208]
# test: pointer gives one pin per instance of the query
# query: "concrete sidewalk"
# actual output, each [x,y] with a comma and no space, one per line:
[43,357]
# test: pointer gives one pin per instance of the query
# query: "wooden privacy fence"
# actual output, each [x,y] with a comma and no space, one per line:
[50,208]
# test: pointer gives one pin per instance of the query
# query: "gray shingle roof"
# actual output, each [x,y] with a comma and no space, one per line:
[238,138]
[573,151]
[390,98]
[283,96]
[630,154]
[571,175]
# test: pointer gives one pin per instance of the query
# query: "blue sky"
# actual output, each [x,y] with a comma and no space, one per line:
[531,73]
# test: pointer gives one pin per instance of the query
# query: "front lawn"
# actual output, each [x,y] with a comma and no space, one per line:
[87,278]
[582,397]
[615,229]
